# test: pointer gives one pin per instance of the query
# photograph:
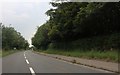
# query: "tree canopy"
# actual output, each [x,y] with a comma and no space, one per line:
[11,39]
[70,21]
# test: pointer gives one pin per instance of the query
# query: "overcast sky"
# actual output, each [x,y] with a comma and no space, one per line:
[24,16]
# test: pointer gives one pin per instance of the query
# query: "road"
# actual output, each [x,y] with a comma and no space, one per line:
[0,65]
[29,62]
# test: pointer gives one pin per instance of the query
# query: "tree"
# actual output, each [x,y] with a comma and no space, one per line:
[40,39]
[12,39]
[70,21]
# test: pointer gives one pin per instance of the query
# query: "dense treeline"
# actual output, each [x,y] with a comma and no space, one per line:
[0,37]
[71,21]
[11,39]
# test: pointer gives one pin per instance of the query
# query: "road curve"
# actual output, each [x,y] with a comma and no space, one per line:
[29,62]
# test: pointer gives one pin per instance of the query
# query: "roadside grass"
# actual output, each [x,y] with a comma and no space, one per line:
[8,52]
[0,53]
[111,56]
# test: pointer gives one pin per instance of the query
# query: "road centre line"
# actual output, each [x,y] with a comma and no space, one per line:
[27,61]
[30,68]
[32,71]
[25,57]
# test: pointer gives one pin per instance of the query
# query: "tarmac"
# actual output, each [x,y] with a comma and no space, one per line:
[104,65]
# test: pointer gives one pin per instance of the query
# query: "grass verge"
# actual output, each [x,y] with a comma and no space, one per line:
[0,53]
[8,52]
[111,56]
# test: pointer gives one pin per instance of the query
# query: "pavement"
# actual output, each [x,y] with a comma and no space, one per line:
[33,63]
[108,66]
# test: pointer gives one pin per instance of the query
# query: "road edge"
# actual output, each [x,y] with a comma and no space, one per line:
[75,62]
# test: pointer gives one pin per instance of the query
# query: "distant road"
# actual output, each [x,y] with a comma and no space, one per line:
[29,62]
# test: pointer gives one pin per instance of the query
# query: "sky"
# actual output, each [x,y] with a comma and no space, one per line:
[24,15]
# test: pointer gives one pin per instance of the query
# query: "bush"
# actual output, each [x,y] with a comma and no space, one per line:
[101,43]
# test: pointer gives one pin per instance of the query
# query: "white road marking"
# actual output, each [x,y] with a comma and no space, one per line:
[32,71]
[27,61]
[25,57]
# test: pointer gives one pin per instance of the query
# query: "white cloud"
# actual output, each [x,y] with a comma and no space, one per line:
[26,0]
[0,13]
[7,11]
[28,5]
[12,15]
[24,16]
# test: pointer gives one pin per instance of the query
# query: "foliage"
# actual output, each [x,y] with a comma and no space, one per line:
[99,43]
[8,52]
[40,40]
[70,21]
[0,53]
[0,36]
[111,56]
[11,39]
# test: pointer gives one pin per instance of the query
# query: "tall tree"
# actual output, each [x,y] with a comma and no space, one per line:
[70,21]
[11,39]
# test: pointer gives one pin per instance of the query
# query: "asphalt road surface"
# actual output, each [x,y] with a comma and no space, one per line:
[0,65]
[29,62]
